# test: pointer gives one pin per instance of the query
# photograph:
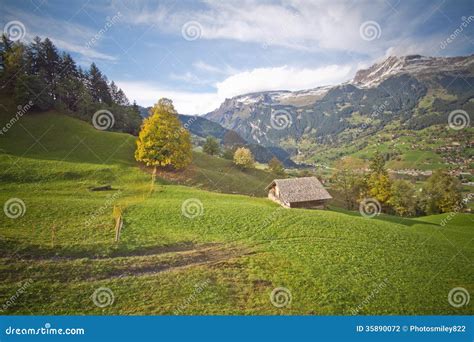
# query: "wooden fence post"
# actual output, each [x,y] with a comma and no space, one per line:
[117,213]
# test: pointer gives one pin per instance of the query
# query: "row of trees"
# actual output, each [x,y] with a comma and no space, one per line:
[441,192]
[241,156]
[38,72]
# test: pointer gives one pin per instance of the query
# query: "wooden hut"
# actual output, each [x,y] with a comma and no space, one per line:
[304,192]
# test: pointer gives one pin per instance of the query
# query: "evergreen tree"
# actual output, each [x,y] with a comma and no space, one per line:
[276,166]
[378,182]
[211,146]
[441,194]
[38,73]
[98,86]
[403,199]
[5,48]
[377,164]
[13,65]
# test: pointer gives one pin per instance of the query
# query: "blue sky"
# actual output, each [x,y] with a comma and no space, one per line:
[199,53]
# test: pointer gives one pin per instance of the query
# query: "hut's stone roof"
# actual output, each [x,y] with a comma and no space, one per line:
[300,189]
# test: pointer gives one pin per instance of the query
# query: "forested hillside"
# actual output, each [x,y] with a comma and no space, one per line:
[39,78]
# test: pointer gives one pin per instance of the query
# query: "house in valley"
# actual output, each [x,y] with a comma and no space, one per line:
[304,192]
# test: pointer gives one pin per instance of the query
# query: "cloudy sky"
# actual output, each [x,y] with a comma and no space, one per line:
[199,53]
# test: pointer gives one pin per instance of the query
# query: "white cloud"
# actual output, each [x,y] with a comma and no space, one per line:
[260,79]
[307,25]
[282,78]
[89,53]
[73,36]
[203,66]
[147,94]
[191,78]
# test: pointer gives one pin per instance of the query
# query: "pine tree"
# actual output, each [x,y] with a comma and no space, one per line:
[98,87]
[211,146]
[276,166]
[377,164]
[5,48]
[378,182]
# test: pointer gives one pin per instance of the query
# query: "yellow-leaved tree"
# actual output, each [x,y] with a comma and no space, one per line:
[243,158]
[162,140]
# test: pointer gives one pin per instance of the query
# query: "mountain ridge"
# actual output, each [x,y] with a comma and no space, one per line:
[409,92]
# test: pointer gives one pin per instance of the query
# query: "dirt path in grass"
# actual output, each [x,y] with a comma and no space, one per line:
[141,263]
[181,260]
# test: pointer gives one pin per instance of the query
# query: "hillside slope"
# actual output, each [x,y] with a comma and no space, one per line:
[60,138]
[201,128]
[235,249]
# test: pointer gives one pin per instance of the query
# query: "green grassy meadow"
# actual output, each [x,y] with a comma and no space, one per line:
[189,245]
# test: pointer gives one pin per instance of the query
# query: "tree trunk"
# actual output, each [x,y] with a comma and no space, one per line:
[153,179]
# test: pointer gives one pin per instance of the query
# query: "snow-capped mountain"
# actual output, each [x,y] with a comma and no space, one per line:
[415,91]
[413,64]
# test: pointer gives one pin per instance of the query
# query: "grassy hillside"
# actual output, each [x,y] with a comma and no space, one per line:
[227,260]
[436,147]
[55,137]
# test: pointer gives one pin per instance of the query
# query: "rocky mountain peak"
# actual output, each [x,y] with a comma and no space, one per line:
[411,64]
